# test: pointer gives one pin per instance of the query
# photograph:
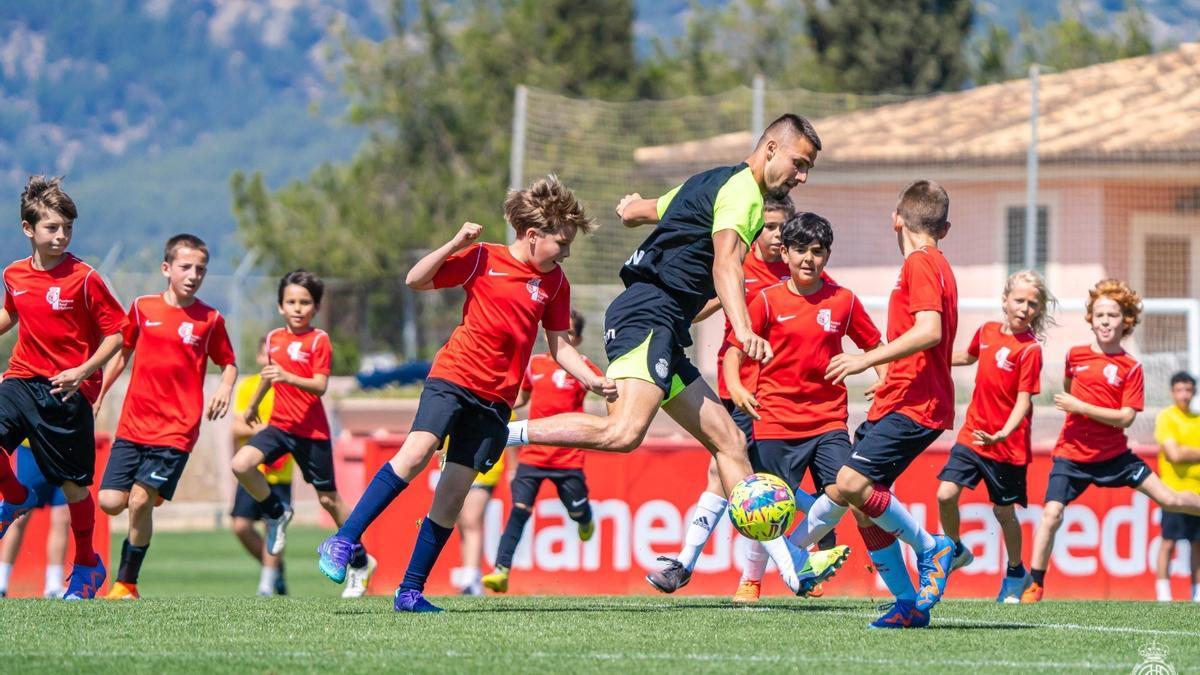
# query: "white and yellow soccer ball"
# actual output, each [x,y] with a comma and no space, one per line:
[762,506]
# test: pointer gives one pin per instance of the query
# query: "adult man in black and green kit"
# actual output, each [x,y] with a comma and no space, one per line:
[705,228]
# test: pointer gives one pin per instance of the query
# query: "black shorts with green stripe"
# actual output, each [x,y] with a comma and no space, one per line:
[640,339]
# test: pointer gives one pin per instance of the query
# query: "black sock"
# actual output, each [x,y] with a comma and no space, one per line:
[359,559]
[512,536]
[131,562]
[1017,570]
[1039,576]
[272,507]
[828,541]
[958,548]
[280,582]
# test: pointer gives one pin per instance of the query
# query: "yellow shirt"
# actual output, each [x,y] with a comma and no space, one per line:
[281,472]
[1184,429]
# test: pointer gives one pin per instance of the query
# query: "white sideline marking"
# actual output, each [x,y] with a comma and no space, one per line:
[1029,624]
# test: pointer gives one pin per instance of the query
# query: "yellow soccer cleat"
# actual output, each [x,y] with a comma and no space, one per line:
[497,581]
[122,591]
[748,592]
[820,567]
[586,530]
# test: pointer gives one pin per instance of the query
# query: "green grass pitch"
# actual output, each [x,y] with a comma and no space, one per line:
[199,615]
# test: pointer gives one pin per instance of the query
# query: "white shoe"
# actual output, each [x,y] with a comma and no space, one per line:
[962,559]
[357,578]
[276,531]
[54,592]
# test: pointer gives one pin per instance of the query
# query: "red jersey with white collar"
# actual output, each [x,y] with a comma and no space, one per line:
[1106,380]
[296,411]
[1008,365]
[506,300]
[171,348]
[62,315]
[759,274]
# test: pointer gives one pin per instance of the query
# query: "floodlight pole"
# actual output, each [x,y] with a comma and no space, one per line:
[1031,175]
[758,95]
[516,159]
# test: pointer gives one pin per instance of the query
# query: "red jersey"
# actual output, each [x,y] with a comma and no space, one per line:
[918,386]
[759,274]
[296,411]
[552,391]
[62,315]
[1008,365]
[805,332]
[171,347]
[506,299]
[1106,380]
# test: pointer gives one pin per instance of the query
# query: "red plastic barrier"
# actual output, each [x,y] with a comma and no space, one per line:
[29,570]
[1106,548]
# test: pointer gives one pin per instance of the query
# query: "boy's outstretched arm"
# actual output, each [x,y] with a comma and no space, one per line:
[112,371]
[925,333]
[420,277]
[572,362]
[633,210]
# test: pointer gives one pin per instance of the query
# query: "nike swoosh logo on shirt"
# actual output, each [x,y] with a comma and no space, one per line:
[982,346]
[150,324]
[781,318]
[16,293]
[494,273]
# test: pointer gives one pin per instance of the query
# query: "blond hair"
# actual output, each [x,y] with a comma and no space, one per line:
[1119,292]
[1047,303]
[547,206]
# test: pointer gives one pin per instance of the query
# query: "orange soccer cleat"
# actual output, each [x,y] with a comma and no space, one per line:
[122,591]
[747,592]
[1033,593]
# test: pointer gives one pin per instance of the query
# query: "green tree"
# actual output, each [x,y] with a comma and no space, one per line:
[900,46]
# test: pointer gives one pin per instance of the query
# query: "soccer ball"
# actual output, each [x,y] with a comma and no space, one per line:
[762,506]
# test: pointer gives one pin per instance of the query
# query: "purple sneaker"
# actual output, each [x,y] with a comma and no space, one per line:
[335,554]
[408,600]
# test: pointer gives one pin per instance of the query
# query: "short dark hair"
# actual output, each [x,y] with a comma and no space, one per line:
[804,228]
[43,195]
[1183,377]
[301,277]
[783,205]
[183,241]
[791,123]
[577,322]
[924,206]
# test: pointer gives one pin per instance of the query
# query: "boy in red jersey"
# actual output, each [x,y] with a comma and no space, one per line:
[994,442]
[475,378]
[549,390]
[799,417]
[69,326]
[1103,391]
[912,407]
[172,336]
[299,358]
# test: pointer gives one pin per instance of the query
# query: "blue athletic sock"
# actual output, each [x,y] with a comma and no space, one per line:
[430,540]
[889,562]
[380,492]
[512,536]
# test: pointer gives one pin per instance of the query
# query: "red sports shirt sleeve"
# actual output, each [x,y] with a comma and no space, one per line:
[973,348]
[594,367]
[220,349]
[558,311]
[322,355]
[862,330]
[132,328]
[1029,379]
[9,304]
[459,268]
[1133,393]
[108,313]
[527,379]
[924,283]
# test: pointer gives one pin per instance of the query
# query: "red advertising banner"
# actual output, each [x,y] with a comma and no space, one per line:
[1106,548]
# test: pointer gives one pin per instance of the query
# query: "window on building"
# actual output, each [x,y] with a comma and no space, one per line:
[1015,222]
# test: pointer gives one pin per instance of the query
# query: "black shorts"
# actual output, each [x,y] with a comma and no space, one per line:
[1005,482]
[244,505]
[155,467]
[314,456]
[570,483]
[1180,526]
[1069,479]
[743,421]
[823,455]
[477,427]
[643,342]
[883,449]
[61,432]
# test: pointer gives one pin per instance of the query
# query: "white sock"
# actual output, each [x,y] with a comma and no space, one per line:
[266,579]
[789,559]
[889,562]
[822,516]
[756,561]
[1162,588]
[708,513]
[518,433]
[5,573]
[1195,592]
[898,521]
[54,578]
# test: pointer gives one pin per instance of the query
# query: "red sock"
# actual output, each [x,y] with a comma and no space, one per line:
[83,521]
[875,537]
[11,489]
[877,503]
